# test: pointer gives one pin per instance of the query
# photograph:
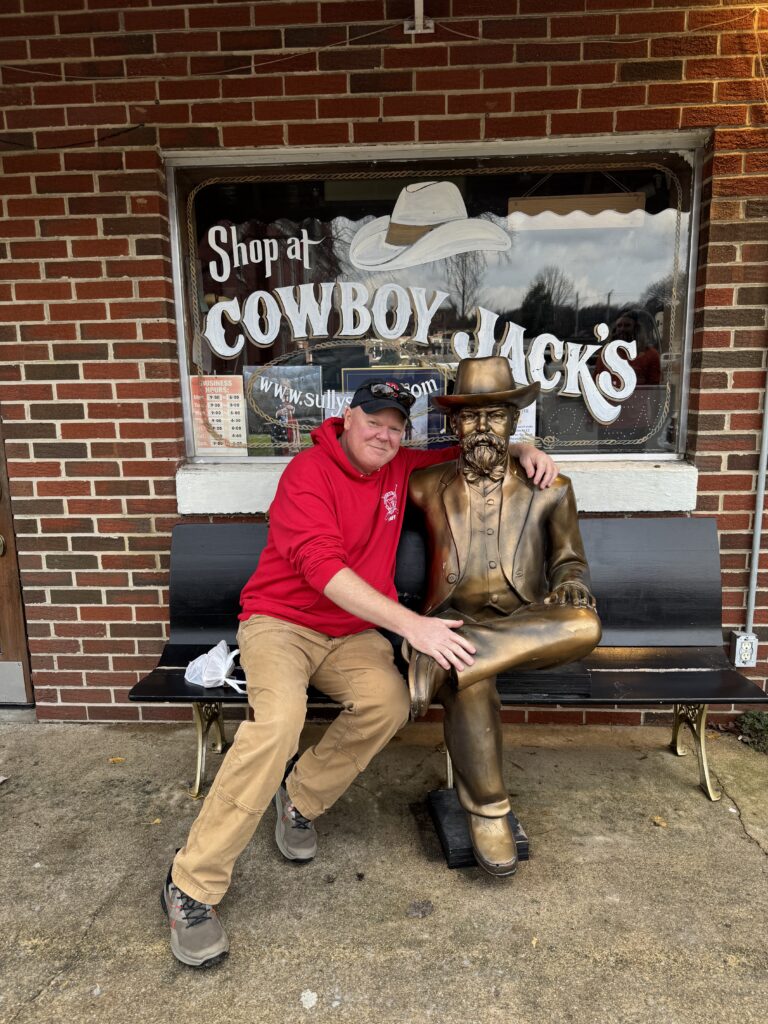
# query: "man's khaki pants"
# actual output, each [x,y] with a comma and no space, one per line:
[280,659]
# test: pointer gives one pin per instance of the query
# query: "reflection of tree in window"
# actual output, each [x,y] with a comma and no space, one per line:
[658,294]
[537,310]
[549,305]
[557,283]
[463,277]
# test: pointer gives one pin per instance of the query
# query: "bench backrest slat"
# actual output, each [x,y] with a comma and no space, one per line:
[657,581]
[210,564]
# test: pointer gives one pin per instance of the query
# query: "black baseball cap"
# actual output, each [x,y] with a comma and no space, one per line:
[375,395]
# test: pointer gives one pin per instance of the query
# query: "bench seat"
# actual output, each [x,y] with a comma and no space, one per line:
[657,584]
[613,675]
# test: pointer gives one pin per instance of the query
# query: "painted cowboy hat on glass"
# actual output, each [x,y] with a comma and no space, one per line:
[486,381]
[429,222]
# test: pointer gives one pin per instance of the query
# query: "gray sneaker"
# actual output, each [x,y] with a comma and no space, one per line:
[197,937]
[295,835]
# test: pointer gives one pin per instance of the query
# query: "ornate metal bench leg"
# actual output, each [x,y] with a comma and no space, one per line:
[204,715]
[695,717]
[676,743]
[219,744]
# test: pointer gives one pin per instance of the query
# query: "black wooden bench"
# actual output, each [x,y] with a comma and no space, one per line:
[657,584]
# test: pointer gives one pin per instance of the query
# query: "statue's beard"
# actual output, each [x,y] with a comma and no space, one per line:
[484,452]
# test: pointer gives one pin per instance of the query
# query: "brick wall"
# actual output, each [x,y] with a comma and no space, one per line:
[93,91]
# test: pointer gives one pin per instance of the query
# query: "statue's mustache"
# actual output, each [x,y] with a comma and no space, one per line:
[486,439]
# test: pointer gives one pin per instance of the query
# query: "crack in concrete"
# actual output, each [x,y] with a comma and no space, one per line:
[44,988]
[71,958]
[734,803]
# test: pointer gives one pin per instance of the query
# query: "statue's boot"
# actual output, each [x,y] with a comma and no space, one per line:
[425,677]
[473,736]
[493,843]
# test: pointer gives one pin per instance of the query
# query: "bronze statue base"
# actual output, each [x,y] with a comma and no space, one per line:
[450,821]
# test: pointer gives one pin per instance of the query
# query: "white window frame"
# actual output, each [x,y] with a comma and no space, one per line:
[605,482]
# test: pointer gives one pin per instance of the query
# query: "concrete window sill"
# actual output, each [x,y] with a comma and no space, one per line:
[621,486]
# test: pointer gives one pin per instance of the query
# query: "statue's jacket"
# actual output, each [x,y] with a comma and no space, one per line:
[539,539]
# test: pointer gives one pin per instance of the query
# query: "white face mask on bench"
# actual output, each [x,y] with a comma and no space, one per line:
[212,669]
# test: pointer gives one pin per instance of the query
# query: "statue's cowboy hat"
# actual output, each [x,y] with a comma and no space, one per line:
[429,222]
[486,381]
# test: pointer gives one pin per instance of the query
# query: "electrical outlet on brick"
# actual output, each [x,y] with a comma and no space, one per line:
[743,650]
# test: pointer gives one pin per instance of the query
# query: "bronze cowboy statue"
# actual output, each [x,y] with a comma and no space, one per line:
[506,558]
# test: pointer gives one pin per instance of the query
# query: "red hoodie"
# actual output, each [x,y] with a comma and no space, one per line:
[327,516]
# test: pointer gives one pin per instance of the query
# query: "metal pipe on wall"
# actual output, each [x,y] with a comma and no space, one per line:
[418,15]
[757,533]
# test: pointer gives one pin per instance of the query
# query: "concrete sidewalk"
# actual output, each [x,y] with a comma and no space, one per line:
[614,919]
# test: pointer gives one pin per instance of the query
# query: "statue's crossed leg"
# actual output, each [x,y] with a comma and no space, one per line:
[533,637]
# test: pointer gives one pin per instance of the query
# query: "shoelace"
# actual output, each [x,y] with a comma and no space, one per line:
[194,911]
[297,819]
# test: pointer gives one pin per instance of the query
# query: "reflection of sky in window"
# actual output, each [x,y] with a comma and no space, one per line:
[597,260]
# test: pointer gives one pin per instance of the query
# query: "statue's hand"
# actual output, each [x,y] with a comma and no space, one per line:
[574,593]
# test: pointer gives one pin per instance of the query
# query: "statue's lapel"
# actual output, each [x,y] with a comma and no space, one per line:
[516,498]
[456,502]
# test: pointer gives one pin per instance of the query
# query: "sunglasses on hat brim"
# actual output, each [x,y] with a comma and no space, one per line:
[399,393]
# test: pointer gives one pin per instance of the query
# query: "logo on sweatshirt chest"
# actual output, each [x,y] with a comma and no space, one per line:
[389,499]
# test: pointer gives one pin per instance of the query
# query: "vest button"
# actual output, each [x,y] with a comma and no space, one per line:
[490,532]
[491,565]
[494,597]
[452,577]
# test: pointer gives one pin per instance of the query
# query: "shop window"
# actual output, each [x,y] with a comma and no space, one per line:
[299,284]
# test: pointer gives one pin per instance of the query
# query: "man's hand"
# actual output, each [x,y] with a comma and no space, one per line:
[438,639]
[434,637]
[571,593]
[539,466]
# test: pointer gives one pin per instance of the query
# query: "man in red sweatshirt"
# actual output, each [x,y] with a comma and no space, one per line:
[324,581]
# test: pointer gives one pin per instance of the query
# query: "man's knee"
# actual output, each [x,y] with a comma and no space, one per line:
[278,700]
[398,706]
[387,707]
[272,726]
